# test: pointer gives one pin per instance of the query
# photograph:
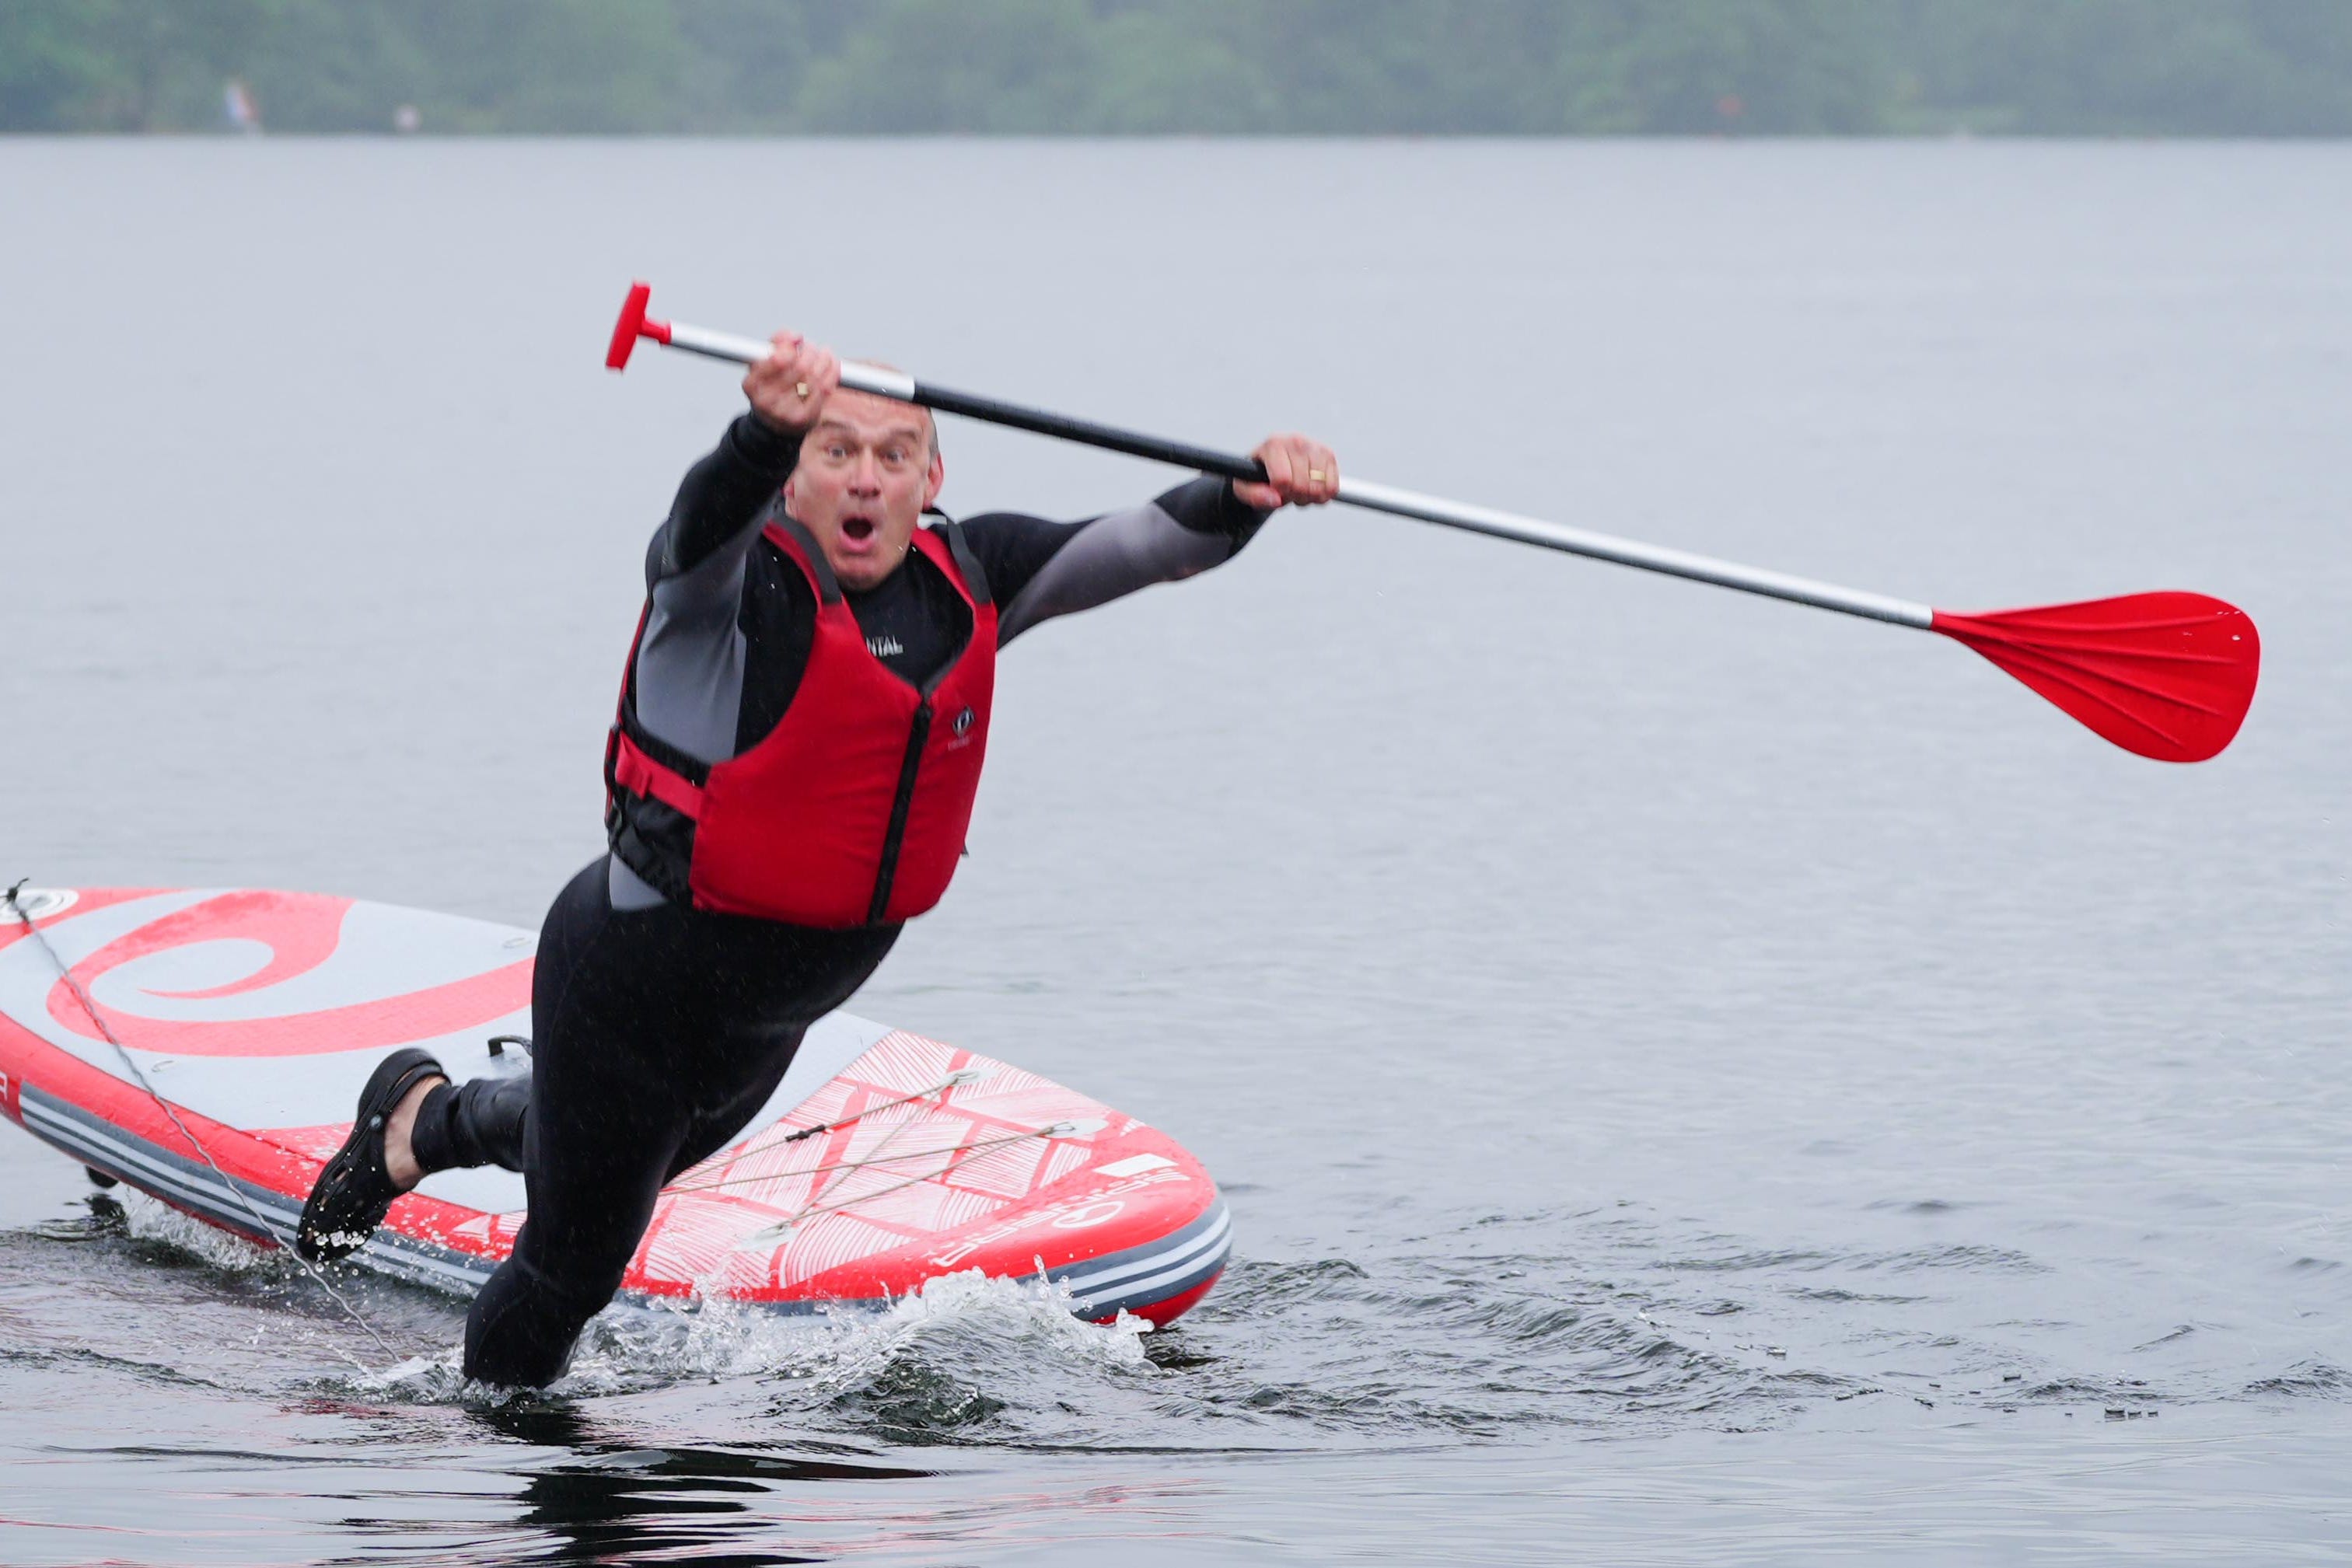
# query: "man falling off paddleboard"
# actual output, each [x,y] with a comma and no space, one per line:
[800,735]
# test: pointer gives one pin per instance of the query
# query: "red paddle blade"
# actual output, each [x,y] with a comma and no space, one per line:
[2168,676]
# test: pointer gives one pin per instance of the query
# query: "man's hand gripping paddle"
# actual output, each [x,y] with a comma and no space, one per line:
[2168,676]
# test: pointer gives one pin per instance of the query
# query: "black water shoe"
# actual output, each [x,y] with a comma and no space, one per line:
[354,1192]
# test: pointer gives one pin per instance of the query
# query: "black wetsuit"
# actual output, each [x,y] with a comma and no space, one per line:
[660,1030]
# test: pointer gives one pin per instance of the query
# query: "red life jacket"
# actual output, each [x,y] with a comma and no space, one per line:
[851,811]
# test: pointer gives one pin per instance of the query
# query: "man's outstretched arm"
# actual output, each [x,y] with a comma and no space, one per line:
[1038,570]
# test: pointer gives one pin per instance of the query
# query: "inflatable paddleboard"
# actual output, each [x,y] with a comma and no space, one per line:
[883,1160]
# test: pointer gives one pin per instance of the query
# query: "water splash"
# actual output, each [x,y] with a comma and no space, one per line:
[932,1367]
[160,1225]
[715,1336]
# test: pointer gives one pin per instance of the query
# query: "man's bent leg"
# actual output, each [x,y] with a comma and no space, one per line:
[614,1013]
[672,1030]
[598,1142]
[525,1321]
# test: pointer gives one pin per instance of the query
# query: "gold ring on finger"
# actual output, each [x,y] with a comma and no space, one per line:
[1316,474]
[800,389]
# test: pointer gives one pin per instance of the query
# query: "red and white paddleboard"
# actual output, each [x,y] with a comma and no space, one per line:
[259,1015]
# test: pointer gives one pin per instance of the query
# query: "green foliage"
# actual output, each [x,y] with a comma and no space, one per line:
[1198,67]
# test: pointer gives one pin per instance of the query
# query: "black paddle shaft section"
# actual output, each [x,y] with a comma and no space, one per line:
[1085,432]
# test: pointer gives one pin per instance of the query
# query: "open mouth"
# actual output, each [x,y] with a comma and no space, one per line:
[857,530]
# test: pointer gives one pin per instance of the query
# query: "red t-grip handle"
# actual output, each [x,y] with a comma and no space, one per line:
[632,326]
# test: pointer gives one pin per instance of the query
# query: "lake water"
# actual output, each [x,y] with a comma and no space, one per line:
[1698,1079]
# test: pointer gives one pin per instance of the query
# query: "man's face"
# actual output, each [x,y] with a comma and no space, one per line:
[866,472]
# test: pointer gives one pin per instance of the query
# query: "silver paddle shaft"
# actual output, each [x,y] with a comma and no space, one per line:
[1634,553]
[904,388]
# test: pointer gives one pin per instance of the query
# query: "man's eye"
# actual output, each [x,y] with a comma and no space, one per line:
[836,451]
[894,454]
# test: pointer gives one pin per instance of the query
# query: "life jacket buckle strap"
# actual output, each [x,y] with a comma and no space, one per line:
[639,774]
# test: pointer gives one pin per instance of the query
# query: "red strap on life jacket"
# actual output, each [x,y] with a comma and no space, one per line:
[640,775]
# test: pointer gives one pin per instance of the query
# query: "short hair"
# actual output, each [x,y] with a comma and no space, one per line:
[930,419]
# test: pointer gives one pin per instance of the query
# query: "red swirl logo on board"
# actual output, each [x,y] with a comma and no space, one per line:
[301,931]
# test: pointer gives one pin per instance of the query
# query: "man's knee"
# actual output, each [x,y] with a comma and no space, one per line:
[527,1320]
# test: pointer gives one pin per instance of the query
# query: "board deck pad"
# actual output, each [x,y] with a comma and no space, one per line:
[259,1015]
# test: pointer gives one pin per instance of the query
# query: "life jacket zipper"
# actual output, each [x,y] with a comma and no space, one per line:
[916,733]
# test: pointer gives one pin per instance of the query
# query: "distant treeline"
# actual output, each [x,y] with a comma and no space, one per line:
[2165,67]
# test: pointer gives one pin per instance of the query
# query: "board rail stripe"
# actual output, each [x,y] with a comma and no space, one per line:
[1181,1259]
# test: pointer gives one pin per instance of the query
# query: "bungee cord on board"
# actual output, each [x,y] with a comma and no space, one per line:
[818,1190]
[813,1209]
[961,1076]
[1054,1130]
[816,1208]
[284,1242]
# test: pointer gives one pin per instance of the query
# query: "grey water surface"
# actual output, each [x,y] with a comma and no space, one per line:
[1698,1079]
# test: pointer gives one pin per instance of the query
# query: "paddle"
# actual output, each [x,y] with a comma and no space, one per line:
[2168,676]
